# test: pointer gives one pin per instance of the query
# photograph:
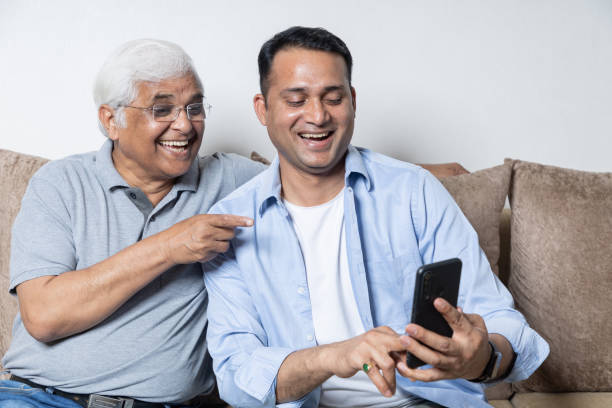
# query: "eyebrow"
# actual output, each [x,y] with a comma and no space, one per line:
[327,89]
[162,96]
[195,97]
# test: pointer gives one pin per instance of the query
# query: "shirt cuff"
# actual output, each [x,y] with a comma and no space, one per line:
[294,404]
[530,347]
[258,377]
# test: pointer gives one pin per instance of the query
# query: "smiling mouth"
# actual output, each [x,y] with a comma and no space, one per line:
[176,145]
[316,136]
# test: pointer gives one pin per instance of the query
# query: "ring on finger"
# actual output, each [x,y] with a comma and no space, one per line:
[367,367]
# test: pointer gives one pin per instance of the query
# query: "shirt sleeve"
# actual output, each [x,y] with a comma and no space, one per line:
[42,242]
[246,368]
[444,232]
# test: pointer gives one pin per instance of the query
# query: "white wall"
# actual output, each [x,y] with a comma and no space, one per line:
[470,81]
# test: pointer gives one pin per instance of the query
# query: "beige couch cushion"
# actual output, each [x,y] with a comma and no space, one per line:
[500,403]
[15,172]
[561,272]
[563,400]
[481,196]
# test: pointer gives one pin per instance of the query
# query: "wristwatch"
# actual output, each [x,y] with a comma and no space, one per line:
[491,370]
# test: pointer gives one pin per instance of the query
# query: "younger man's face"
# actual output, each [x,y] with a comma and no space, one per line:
[309,111]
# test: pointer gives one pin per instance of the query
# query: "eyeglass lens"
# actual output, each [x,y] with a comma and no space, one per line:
[169,113]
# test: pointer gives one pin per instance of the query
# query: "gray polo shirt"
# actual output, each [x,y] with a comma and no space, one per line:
[77,212]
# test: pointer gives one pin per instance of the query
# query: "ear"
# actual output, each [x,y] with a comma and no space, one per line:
[106,116]
[261,110]
[354,97]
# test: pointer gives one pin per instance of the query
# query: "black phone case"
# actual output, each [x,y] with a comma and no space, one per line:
[439,279]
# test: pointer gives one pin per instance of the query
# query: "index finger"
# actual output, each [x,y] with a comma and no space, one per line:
[230,220]
[455,319]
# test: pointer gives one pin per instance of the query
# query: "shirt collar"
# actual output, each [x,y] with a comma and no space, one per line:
[270,188]
[111,178]
[189,181]
[354,165]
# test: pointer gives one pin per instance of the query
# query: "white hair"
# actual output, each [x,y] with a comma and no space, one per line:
[136,61]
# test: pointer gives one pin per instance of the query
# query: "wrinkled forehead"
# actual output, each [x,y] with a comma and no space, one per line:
[170,90]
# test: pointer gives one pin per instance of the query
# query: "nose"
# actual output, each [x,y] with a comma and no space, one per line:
[182,122]
[316,113]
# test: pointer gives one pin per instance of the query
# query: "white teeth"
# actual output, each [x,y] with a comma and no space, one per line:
[314,135]
[175,143]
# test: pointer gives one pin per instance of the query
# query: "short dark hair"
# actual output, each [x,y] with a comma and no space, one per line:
[300,37]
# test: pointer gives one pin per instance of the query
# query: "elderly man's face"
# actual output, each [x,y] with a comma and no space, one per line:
[155,151]
[310,109]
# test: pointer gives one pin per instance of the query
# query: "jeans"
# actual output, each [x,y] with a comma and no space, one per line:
[14,394]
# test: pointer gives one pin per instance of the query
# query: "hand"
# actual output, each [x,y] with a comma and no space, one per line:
[201,237]
[380,347]
[465,355]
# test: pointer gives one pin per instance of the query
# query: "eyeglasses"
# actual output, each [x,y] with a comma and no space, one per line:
[196,112]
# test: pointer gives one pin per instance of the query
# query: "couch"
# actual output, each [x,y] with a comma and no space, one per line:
[552,248]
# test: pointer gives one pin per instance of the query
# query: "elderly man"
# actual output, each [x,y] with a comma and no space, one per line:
[106,249]
[311,306]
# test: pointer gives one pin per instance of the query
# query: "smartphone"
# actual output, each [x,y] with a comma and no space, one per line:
[439,279]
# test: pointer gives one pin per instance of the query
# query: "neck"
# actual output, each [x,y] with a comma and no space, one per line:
[154,189]
[306,189]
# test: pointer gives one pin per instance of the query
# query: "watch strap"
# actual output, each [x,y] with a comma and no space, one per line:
[491,370]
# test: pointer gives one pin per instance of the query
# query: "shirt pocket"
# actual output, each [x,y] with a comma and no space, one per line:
[183,279]
[391,283]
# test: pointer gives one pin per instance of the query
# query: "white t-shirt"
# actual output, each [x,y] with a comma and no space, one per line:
[320,231]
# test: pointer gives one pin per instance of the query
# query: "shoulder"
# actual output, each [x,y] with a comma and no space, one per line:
[244,200]
[240,167]
[404,182]
[64,173]
[388,171]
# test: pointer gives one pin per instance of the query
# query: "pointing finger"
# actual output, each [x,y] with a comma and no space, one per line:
[230,220]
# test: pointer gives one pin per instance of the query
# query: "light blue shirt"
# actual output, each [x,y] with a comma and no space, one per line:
[398,217]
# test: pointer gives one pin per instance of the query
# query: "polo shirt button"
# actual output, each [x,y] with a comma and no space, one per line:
[133,196]
[301,290]
[309,337]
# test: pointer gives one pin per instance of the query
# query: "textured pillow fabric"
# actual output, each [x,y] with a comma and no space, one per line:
[561,272]
[15,172]
[481,196]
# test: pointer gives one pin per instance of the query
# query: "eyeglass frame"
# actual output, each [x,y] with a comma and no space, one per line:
[206,107]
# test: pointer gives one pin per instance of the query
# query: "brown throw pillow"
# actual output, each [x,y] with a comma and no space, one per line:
[481,196]
[15,172]
[561,276]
